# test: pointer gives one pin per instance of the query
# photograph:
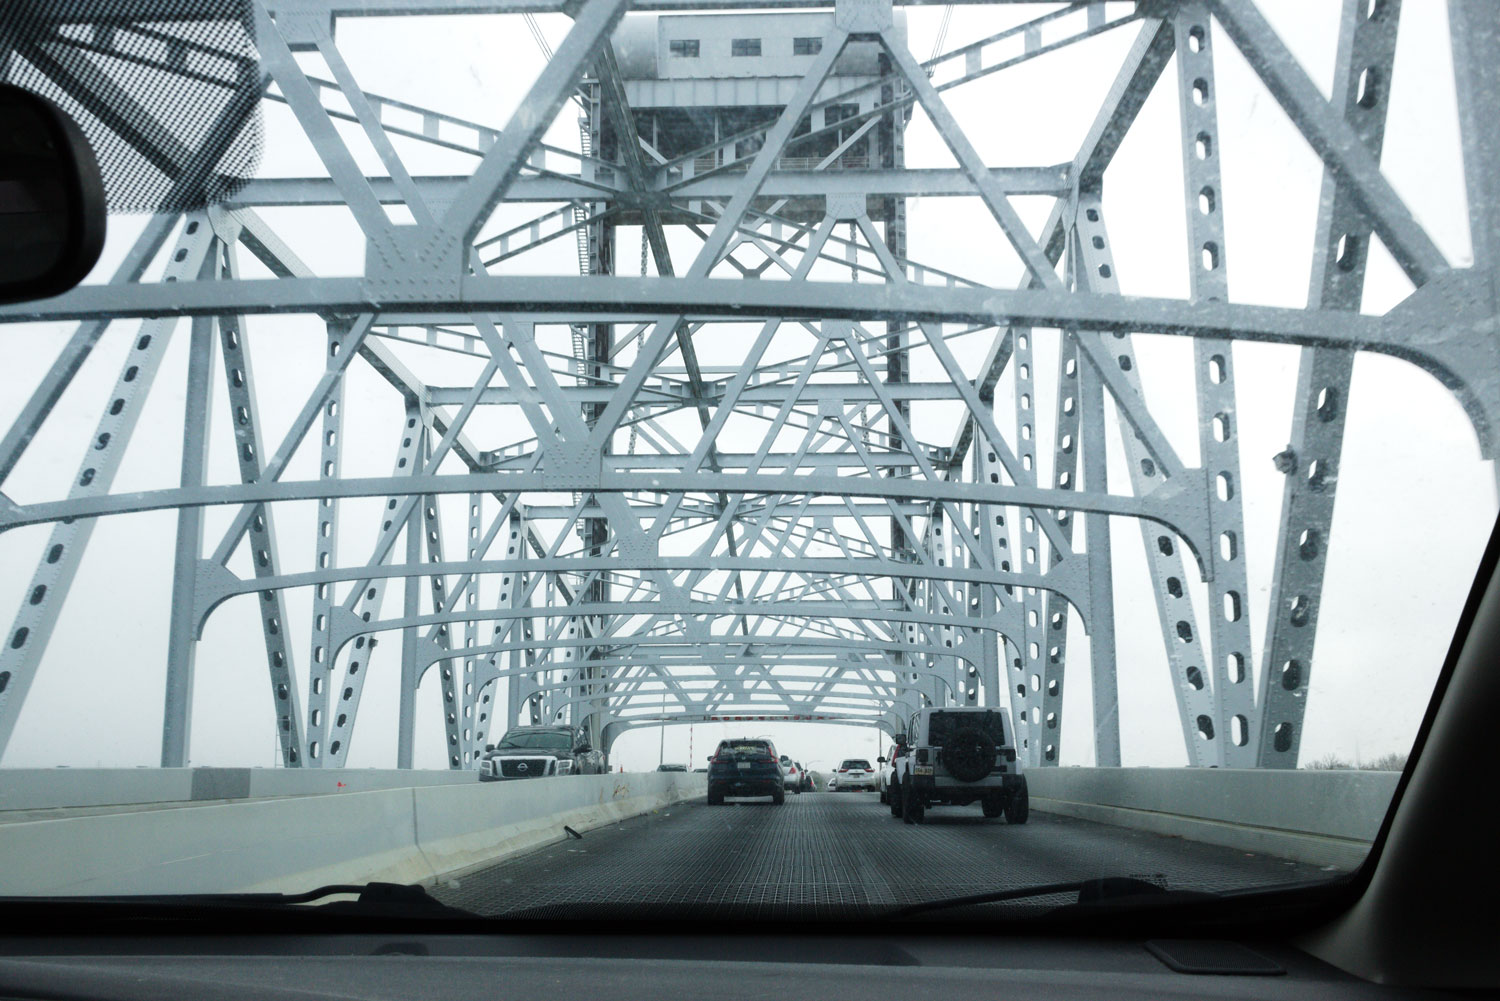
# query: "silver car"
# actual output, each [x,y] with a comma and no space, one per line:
[791,775]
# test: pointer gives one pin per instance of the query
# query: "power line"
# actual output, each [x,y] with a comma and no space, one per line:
[942,35]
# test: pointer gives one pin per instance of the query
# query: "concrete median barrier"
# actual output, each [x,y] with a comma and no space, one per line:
[406,835]
[92,788]
[458,831]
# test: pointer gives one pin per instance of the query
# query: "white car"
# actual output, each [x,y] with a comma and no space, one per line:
[855,773]
[887,765]
[791,775]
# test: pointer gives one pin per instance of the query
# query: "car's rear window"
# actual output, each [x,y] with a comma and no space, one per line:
[856,763]
[745,748]
[943,724]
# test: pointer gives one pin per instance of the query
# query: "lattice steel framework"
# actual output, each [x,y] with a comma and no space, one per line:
[645,537]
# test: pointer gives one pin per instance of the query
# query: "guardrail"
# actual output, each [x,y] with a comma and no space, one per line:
[405,835]
[1320,817]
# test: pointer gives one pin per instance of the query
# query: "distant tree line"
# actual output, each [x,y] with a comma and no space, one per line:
[1394,762]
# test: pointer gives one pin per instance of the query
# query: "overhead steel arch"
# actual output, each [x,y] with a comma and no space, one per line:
[886,723]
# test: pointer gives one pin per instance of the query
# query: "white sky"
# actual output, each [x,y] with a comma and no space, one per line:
[1415,502]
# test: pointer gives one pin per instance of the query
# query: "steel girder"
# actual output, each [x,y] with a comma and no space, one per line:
[773,534]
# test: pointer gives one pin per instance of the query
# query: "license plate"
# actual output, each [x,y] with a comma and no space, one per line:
[744,766]
[922,770]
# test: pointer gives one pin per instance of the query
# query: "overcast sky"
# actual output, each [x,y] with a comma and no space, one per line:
[1415,500]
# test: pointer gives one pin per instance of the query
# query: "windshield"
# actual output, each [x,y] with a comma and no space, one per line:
[537,741]
[1111,383]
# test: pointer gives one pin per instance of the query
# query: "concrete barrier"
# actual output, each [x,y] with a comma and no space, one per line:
[1319,817]
[240,830]
[411,835]
[55,788]
[459,831]
[73,788]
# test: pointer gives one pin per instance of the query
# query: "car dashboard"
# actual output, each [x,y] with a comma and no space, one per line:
[900,967]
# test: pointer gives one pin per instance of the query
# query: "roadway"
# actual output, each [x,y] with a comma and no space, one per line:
[822,854]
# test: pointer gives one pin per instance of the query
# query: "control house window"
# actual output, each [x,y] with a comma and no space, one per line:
[744,47]
[683,48]
[806,46]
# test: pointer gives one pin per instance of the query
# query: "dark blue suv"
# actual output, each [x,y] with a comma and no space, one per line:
[746,767]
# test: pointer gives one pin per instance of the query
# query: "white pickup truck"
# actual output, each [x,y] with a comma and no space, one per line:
[956,756]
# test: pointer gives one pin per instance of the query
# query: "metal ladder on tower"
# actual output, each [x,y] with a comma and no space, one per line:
[581,237]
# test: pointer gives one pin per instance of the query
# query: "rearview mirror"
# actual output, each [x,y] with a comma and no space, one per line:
[900,740]
[489,747]
[880,761]
[52,208]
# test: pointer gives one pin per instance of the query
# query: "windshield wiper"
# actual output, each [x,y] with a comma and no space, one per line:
[1110,890]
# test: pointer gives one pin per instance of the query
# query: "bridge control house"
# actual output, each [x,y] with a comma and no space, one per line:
[693,80]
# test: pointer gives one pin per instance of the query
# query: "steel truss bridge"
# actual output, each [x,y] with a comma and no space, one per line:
[583,522]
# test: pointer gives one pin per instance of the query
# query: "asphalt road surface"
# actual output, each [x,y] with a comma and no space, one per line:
[823,854]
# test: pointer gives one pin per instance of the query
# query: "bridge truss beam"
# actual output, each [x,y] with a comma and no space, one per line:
[692,495]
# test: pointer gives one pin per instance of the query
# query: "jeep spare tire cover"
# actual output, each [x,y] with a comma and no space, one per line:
[969,754]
